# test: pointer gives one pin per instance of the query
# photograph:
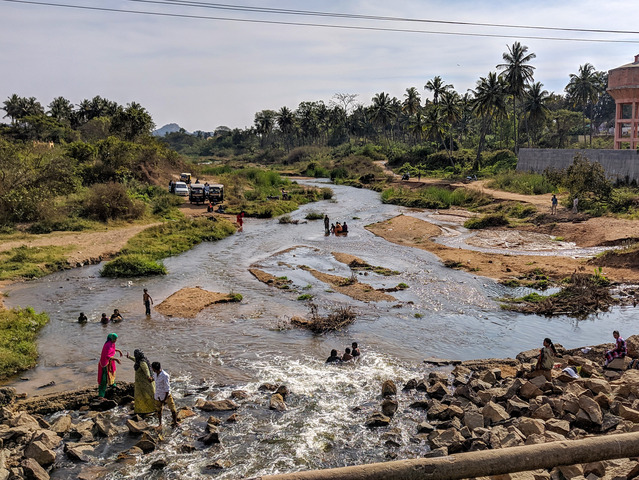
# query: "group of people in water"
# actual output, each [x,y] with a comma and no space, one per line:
[117,316]
[334,228]
[548,353]
[348,355]
[152,389]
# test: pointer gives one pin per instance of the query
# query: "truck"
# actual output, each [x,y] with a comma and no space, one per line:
[196,193]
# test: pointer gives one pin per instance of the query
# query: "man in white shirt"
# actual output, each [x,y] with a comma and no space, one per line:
[163,392]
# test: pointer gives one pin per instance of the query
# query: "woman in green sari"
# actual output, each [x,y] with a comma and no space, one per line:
[144,385]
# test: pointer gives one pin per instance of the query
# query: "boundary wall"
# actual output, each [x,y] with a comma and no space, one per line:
[618,164]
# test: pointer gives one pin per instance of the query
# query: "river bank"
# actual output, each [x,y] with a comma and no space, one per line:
[473,405]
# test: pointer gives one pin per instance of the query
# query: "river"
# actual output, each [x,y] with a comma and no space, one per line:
[444,313]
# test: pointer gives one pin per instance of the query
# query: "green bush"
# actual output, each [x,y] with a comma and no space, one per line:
[522,182]
[18,332]
[490,220]
[314,216]
[434,197]
[49,225]
[111,201]
[132,265]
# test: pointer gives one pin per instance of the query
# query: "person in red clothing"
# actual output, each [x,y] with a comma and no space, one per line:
[239,220]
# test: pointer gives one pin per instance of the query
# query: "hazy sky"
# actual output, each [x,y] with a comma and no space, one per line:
[203,73]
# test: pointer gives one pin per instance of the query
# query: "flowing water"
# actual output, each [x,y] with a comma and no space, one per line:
[445,313]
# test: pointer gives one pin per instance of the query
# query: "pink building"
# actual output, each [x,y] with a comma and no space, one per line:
[623,86]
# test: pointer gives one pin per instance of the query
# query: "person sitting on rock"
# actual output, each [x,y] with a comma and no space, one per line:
[545,360]
[334,358]
[347,355]
[619,351]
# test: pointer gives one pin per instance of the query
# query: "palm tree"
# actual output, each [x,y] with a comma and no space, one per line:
[535,107]
[13,107]
[382,110]
[434,124]
[264,122]
[583,90]
[286,123]
[412,103]
[517,74]
[489,102]
[61,109]
[450,107]
[438,87]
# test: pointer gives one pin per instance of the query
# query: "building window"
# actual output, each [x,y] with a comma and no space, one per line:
[626,110]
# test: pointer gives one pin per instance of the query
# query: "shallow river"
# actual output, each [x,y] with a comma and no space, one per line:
[445,313]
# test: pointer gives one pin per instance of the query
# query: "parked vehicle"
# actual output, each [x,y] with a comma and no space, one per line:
[406,176]
[196,193]
[216,193]
[181,189]
[185,177]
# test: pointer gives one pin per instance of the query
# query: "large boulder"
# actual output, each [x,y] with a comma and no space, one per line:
[377,419]
[473,419]
[530,426]
[619,364]
[529,390]
[445,438]
[593,410]
[389,407]
[62,424]
[598,385]
[494,413]
[33,470]
[277,403]
[632,343]
[628,413]
[40,453]
[7,395]
[544,412]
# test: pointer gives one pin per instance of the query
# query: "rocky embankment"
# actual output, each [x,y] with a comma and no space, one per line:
[478,405]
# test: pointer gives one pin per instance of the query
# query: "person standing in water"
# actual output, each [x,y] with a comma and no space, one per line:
[327,225]
[144,391]
[106,365]
[163,393]
[148,301]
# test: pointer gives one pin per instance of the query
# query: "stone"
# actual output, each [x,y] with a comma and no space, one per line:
[277,403]
[473,420]
[535,439]
[494,413]
[539,381]
[93,473]
[598,385]
[389,388]
[445,438]
[62,424]
[437,452]
[185,412]
[239,395]
[136,428]
[425,427]
[267,387]
[48,438]
[159,464]
[489,377]
[4,473]
[76,454]
[106,427]
[410,385]
[7,395]
[609,422]
[544,412]
[102,405]
[628,413]
[40,453]
[454,411]
[596,468]
[437,411]
[558,426]
[33,470]
[217,405]
[389,407]
[612,375]
[570,404]
[603,400]
[146,443]
[219,464]
[571,471]
[377,419]
[23,419]
[282,390]
[421,404]
[620,364]
[516,407]
[592,409]
[437,391]
[531,426]
[554,437]
[234,418]
[529,390]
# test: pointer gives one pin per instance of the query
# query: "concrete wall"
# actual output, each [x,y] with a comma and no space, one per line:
[618,164]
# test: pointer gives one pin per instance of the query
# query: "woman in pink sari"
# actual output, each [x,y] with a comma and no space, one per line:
[106,366]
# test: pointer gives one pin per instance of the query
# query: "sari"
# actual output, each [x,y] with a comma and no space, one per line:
[106,365]
[144,401]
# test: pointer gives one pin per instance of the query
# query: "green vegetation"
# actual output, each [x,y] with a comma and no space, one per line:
[434,197]
[18,330]
[485,221]
[140,255]
[402,286]
[31,262]
[235,297]
[314,216]
[305,296]
[522,182]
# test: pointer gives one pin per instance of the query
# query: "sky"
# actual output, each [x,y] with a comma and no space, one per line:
[204,73]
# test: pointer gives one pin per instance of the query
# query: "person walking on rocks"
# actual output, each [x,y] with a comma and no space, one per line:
[106,365]
[144,392]
[148,301]
[163,393]
[553,204]
[620,350]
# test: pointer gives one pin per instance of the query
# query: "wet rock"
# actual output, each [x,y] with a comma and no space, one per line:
[277,403]
[93,473]
[531,426]
[216,405]
[411,384]
[494,413]
[102,405]
[62,424]
[389,407]
[211,423]
[267,387]
[283,391]
[239,395]
[76,454]
[389,388]
[159,464]
[233,418]
[219,465]
[126,458]
[421,404]
[377,419]
[137,428]
[187,448]
[425,427]
[33,470]
[437,391]
[106,427]
[146,443]
[7,395]
[437,452]
[210,438]
[185,412]
[40,453]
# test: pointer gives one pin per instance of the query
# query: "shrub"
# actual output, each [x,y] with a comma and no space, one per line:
[110,201]
[133,265]
[314,216]
[490,220]
[285,219]
[18,332]
[522,182]
[49,225]
[305,296]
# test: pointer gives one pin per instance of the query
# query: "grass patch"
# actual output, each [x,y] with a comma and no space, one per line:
[32,262]
[522,182]
[235,297]
[62,225]
[435,197]
[285,220]
[387,272]
[18,331]
[140,255]
[490,220]
[512,283]
[314,216]
[306,296]
[402,286]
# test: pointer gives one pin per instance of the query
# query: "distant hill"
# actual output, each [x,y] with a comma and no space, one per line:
[168,128]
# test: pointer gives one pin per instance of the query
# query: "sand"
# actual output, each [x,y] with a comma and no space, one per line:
[188,302]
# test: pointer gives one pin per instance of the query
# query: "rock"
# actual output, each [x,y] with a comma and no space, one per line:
[185,412]
[4,473]
[494,413]
[570,404]
[159,464]
[40,453]
[619,364]
[603,400]
[23,419]
[216,405]
[282,390]
[48,438]
[389,407]
[425,427]
[76,454]
[596,468]
[62,424]
[234,418]
[489,377]
[136,428]
[592,409]
[561,427]
[277,403]
[377,419]
[445,438]
[516,407]
[544,412]
[473,420]
[33,470]
[632,344]
[7,396]
[219,464]
[539,381]
[102,405]
[211,423]
[93,473]
[411,384]
[609,422]
[437,391]
[389,388]
[628,413]
[612,375]
[210,438]
[106,427]
[267,387]
[528,390]
[531,426]
[187,448]
[437,452]
[146,443]
[437,411]
[571,471]
[440,362]
[598,385]
[453,411]
[239,395]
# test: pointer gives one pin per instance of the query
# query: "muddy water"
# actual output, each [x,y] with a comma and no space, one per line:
[444,313]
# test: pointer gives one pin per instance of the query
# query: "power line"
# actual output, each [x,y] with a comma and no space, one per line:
[320,25]
[245,8]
